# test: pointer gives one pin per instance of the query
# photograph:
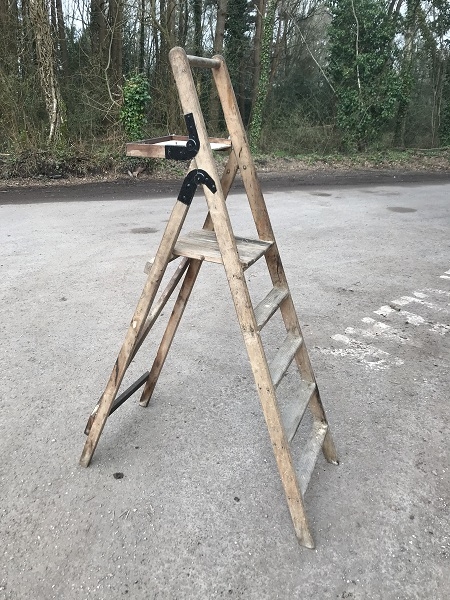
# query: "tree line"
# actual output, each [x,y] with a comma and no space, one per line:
[309,75]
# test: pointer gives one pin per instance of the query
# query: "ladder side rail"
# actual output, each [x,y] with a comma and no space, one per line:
[258,207]
[241,147]
[242,301]
[265,231]
[159,306]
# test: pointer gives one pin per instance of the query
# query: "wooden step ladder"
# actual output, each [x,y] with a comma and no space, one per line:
[216,242]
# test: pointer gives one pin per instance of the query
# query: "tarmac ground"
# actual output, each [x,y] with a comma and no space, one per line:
[200,512]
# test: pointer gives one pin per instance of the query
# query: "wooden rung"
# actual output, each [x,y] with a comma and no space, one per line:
[203,63]
[284,357]
[203,245]
[266,308]
[294,410]
[310,453]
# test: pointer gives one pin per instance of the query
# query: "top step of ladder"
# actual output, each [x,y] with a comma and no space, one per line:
[203,245]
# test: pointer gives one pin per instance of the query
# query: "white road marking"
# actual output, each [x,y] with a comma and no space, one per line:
[440,328]
[384,311]
[412,318]
[404,300]
[372,357]
[377,330]
[437,292]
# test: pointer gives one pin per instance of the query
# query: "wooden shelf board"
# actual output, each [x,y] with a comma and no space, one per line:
[155,147]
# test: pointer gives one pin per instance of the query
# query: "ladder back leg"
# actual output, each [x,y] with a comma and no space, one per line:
[154,278]
[171,329]
[184,294]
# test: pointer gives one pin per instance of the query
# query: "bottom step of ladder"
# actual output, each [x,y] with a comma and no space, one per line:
[310,453]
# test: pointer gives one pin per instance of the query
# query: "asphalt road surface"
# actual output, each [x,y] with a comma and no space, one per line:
[199,512]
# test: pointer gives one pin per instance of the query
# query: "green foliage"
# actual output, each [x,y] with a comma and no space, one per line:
[361,66]
[289,130]
[133,114]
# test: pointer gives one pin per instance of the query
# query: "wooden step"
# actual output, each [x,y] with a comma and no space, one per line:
[294,410]
[203,245]
[266,308]
[284,357]
[310,453]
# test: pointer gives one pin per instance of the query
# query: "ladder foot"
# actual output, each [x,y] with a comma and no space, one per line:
[329,449]
[305,539]
[86,457]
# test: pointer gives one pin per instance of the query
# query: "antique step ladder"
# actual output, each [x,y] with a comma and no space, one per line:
[216,242]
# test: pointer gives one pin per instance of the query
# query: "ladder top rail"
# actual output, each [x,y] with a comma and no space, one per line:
[203,63]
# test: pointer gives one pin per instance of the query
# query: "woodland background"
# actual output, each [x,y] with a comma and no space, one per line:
[319,76]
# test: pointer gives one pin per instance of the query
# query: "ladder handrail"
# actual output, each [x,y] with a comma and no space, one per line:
[203,63]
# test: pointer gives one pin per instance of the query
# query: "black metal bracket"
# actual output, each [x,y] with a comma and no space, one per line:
[192,145]
[190,183]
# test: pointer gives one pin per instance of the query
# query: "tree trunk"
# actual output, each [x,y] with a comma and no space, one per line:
[115,19]
[8,36]
[260,11]
[217,49]
[406,73]
[183,17]
[98,30]
[39,15]
[141,56]
[438,86]
[62,41]
[264,78]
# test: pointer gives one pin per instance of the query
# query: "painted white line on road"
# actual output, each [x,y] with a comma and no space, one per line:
[437,292]
[404,300]
[384,311]
[378,329]
[412,318]
[372,357]
[440,328]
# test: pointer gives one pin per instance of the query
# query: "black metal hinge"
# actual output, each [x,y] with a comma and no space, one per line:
[192,145]
[190,183]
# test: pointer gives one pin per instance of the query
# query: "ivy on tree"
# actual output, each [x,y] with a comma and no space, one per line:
[361,66]
[133,114]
